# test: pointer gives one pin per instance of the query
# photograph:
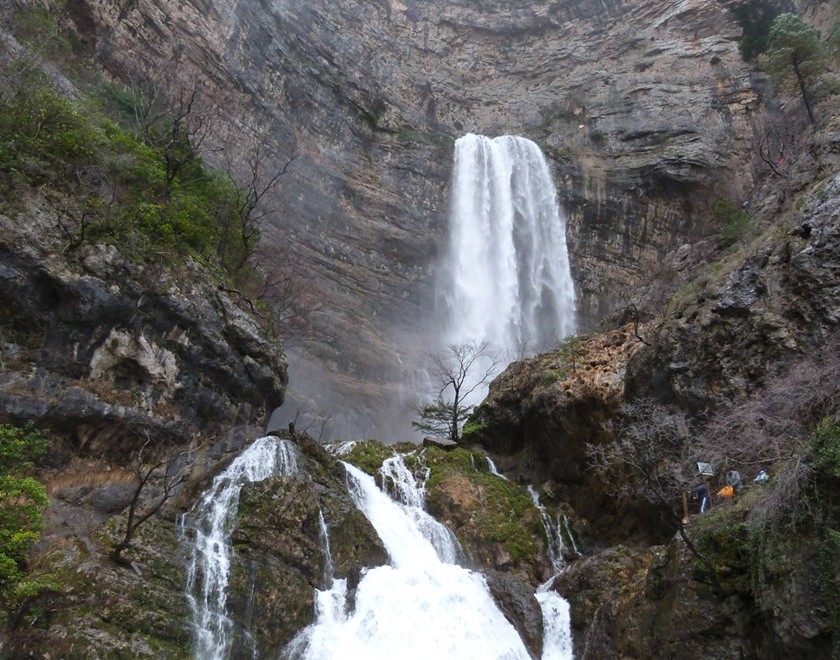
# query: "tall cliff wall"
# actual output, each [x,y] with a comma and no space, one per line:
[643,107]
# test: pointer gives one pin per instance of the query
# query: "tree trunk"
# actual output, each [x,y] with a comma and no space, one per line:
[804,91]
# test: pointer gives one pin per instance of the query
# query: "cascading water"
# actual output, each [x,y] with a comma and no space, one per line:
[505,278]
[207,532]
[421,605]
[556,615]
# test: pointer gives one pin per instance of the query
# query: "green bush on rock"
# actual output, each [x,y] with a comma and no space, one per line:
[22,501]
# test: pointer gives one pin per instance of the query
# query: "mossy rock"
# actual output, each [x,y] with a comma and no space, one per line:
[494,519]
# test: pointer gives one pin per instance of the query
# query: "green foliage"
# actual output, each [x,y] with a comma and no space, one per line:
[22,500]
[472,430]
[826,445]
[731,219]
[436,418]
[368,455]
[795,53]
[755,19]
[145,190]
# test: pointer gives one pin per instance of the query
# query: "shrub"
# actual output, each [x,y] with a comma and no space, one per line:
[22,501]
[730,218]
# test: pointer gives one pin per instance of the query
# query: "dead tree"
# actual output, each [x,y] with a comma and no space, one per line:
[252,189]
[149,463]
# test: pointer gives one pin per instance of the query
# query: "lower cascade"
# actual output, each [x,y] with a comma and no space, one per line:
[423,604]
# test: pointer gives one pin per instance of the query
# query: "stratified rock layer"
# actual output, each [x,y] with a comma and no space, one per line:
[642,106]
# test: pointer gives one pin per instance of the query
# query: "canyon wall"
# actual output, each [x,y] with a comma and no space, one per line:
[642,107]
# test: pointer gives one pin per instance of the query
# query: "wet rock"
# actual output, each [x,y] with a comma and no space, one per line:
[515,599]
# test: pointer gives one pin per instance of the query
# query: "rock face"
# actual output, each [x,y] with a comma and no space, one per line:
[642,106]
[123,350]
[783,299]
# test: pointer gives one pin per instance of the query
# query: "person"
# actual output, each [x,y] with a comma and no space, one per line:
[761,478]
[700,494]
[292,428]
[733,478]
[726,492]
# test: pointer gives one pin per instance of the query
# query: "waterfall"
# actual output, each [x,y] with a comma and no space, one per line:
[506,278]
[421,605]
[209,525]
[553,533]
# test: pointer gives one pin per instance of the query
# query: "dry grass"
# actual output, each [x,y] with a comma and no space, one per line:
[87,475]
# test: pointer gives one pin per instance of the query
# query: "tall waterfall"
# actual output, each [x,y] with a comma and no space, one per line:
[505,278]
[421,605]
[210,552]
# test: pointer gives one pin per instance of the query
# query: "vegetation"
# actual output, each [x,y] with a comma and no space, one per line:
[22,501]
[108,184]
[368,455]
[794,49]
[504,512]
[756,18]
[732,219]
[459,371]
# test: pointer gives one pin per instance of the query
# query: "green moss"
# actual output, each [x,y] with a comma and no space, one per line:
[506,515]
[368,455]
[472,430]
[433,138]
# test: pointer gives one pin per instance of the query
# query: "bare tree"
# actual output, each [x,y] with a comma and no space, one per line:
[150,463]
[459,370]
[253,188]
[646,461]
[318,419]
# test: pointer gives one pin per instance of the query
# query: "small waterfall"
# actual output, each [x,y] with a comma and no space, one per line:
[553,532]
[209,525]
[491,467]
[506,277]
[557,623]
[557,636]
[325,543]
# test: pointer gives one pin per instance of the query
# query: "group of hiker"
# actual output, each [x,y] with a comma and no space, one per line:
[701,496]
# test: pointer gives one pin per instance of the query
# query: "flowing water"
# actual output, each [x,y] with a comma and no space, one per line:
[422,605]
[206,530]
[505,278]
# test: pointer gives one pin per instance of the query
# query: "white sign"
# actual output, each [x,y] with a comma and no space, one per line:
[705,469]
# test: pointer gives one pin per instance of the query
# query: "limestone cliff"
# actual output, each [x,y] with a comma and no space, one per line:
[644,108]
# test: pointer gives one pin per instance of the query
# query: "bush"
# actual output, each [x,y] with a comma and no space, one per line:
[826,445]
[730,218]
[22,501]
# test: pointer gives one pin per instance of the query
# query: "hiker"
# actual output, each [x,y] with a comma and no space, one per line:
[733,478]
[726,493]
[700,493]
[761,478]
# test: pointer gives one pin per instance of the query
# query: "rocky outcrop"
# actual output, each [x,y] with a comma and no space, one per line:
[106,352]
[766,600]
[781,299]
[109,357]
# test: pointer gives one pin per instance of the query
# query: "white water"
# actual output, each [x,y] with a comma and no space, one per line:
[422,605]
[209,524]
[553,533]
[506,278]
